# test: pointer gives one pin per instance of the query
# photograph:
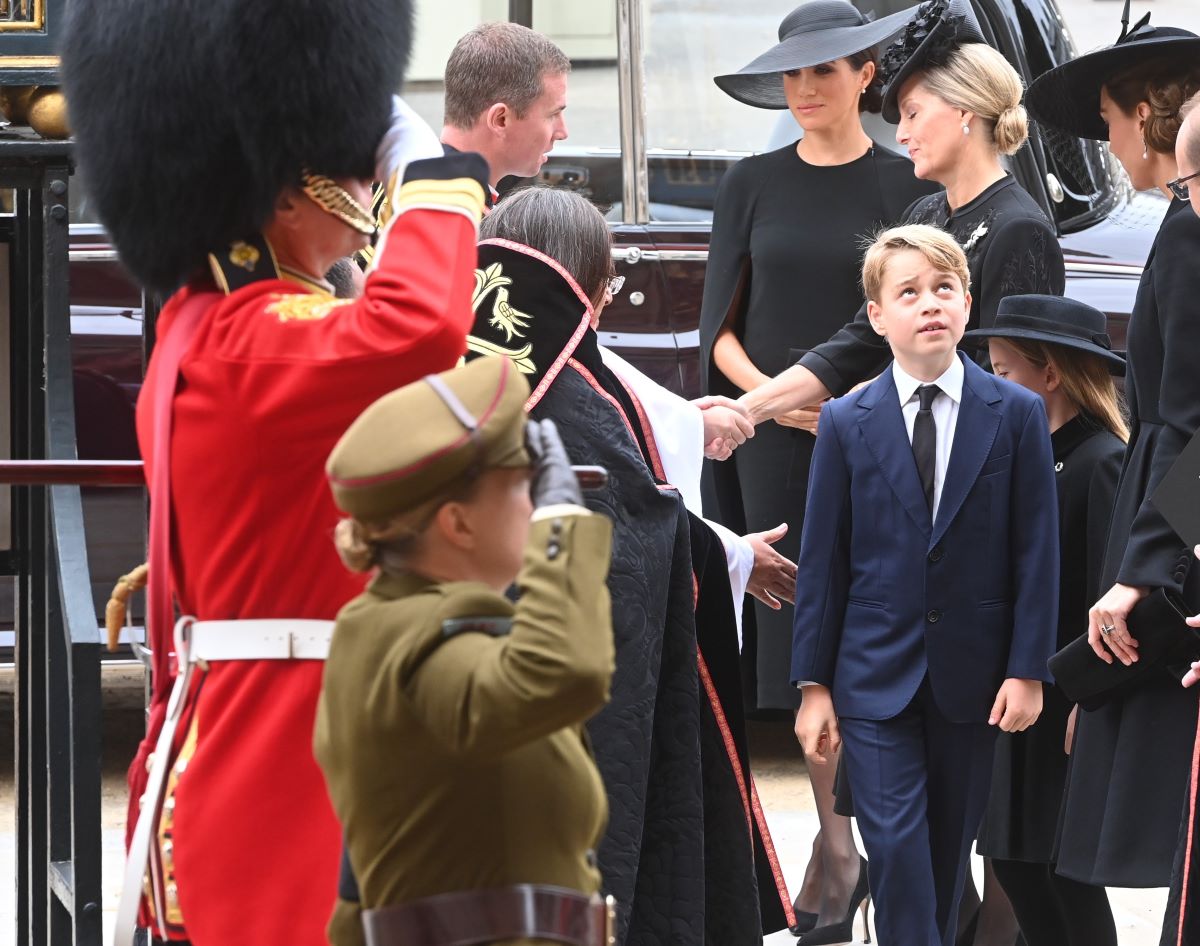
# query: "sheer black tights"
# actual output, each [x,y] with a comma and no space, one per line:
[1053,910]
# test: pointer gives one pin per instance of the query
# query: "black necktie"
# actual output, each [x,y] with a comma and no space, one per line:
[924,442]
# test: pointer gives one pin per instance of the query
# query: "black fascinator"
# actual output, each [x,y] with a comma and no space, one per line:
[937,29]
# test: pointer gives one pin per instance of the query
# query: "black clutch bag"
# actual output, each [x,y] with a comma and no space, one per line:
[1165,642]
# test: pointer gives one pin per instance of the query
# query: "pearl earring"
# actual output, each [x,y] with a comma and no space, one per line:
[966,128]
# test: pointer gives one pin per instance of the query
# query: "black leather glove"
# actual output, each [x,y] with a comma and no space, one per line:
[553,479]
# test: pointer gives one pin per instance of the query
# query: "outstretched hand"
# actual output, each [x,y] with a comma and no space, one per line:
[773,577]
[726,425]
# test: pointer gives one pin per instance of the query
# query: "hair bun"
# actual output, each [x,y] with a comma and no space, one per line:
[1012,129]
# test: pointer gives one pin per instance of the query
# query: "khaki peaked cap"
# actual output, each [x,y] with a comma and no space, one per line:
[414,443]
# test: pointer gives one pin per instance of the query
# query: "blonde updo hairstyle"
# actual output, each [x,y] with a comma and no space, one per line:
[978,79]
[1165,84]
[389,544]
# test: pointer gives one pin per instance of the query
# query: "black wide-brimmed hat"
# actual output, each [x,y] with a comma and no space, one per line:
[1056,320]
[1068,96]
[813,33]
[935,30]
[190,116]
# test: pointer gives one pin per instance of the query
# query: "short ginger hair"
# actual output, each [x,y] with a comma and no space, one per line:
[936,245]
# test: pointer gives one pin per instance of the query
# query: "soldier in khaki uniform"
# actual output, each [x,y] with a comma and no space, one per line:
[450,725]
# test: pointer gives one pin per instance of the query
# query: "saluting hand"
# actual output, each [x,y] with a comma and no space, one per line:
[554,481]
[1017,706]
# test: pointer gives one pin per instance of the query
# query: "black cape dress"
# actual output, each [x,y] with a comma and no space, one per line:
[686,852]
[786,252]
[1132,757]
[1030,771]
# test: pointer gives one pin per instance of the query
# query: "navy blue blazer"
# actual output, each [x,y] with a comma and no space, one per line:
[884,596]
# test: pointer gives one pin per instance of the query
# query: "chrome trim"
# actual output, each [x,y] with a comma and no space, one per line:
[654,340]
[1106,269]
[681,255]
[92,256]
[635,180]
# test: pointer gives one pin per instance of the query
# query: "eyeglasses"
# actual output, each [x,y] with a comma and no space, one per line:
[616,282]
[1179,186]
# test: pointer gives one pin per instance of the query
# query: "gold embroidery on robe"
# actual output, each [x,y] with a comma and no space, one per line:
[504,318]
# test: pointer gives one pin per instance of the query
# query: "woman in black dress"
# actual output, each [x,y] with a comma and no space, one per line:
[1129,764]
[958,105]
[782,274]
[1059,349]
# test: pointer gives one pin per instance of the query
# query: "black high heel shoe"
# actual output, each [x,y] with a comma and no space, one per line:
[805,921]
[842,932]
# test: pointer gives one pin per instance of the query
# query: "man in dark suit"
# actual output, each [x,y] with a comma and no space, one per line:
[926,602]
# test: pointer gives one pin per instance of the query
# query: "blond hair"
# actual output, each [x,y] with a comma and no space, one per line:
[389,544]
[937,246]
[1084,379]
[978,79]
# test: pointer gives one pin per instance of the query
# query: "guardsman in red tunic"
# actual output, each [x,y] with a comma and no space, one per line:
[233,173]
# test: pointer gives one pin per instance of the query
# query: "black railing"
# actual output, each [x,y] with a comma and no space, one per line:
[57,656]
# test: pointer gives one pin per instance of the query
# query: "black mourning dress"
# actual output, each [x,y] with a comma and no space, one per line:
[794,232]
[1011,249]
[1021,823]
[1132,757]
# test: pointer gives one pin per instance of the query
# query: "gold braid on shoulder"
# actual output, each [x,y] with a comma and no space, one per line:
[117,609]
[336,200]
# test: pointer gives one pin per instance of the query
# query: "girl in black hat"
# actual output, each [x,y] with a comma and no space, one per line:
[1129,767]
[1057,348]
[782,274]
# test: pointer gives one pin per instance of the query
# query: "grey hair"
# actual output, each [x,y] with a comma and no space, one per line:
[498,62]
[561,224]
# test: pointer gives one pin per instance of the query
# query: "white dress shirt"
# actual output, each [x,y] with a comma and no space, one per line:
[945,415]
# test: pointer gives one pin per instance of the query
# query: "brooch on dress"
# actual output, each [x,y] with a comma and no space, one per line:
[980,232]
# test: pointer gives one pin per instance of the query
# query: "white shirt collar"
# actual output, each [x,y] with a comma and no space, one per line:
[950,381]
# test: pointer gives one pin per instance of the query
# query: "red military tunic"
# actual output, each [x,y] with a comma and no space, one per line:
[274,375]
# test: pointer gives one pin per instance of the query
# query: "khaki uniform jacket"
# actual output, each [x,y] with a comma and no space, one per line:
[454,750]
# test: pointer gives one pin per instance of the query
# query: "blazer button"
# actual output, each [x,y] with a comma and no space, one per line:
[933,616]
[936,554]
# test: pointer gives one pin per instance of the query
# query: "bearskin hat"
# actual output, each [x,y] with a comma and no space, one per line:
[190,116]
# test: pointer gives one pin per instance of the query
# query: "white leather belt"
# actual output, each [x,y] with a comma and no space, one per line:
[276,639]
[196,642]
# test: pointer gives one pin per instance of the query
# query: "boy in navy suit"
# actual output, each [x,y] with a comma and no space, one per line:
[926,598]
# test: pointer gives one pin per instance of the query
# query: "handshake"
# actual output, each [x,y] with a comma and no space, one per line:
[727,425]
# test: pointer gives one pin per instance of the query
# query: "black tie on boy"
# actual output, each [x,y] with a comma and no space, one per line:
[924,441]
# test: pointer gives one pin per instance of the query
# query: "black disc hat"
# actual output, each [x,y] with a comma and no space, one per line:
[1067,97]
[934,31]
[815,32]
[1056,320]
[190,116]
